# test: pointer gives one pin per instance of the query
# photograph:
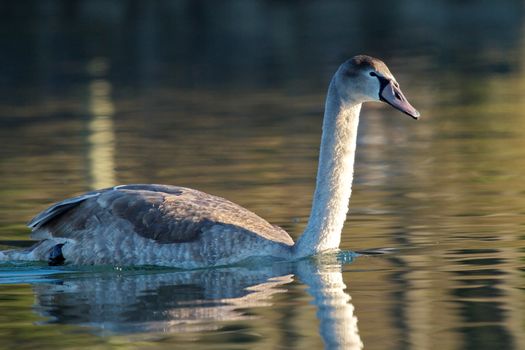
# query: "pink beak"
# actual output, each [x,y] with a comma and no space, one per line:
[391,94]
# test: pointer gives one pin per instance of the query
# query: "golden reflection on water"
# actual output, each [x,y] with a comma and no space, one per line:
[101,135]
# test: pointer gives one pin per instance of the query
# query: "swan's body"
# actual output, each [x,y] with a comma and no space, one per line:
[175,226]
[157,225]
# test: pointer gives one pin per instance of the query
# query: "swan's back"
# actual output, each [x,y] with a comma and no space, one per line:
[192,224]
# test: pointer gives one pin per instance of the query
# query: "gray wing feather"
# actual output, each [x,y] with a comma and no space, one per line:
[166,214]
[57,209]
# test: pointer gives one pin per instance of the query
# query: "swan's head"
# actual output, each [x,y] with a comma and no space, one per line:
[364,78]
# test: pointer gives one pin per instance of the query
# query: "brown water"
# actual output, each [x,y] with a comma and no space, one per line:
[226,97]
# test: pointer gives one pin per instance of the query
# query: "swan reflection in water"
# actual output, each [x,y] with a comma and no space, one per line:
[169,301]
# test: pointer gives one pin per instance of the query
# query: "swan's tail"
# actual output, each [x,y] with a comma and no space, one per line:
[16,255]
[37,252]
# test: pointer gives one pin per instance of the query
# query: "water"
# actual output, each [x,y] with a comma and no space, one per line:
[226,97]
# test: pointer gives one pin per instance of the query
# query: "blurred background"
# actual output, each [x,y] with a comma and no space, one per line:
[227,97]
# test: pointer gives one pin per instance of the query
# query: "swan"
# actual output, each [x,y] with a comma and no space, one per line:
[185,228]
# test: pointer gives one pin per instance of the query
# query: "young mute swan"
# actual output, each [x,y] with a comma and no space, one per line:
[186,228]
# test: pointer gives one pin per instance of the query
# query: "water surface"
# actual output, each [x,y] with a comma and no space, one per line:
[227,97]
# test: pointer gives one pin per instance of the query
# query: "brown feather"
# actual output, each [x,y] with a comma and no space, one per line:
[165,214]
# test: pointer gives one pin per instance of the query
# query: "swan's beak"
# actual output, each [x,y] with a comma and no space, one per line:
[391,94]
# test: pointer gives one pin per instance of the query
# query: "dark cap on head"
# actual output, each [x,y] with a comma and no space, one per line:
[364,61]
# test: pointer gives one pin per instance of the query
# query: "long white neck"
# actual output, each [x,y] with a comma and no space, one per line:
[334,176]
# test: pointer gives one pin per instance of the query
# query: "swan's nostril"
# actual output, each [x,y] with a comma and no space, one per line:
[398,96]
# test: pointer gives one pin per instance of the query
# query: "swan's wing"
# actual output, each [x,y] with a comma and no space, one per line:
[166,214]
[58,208]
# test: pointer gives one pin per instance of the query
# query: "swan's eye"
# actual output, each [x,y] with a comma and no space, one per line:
[374,74]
